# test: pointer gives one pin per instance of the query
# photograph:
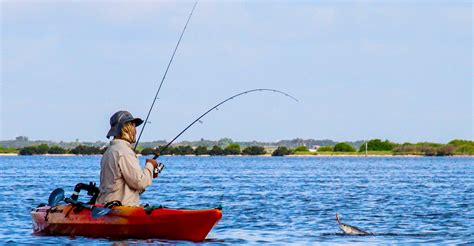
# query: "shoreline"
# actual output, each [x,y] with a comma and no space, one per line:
[267,155]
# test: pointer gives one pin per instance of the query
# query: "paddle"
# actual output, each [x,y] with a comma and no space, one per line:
[96,211]
[55,197]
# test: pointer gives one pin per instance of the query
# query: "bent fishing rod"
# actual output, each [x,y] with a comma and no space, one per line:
[215,107]
[164,76]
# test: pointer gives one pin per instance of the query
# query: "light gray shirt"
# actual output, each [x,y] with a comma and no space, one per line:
[121,177]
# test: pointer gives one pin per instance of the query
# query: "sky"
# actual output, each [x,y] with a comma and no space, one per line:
[397,70]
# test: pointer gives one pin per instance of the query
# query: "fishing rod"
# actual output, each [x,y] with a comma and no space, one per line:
[215,107]
[164,76]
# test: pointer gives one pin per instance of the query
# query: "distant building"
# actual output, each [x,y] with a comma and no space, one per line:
[270,149]
[22,138]
[314,148]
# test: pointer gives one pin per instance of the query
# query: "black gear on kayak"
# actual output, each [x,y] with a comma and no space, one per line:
[149,209]
[79,206]
[91,189]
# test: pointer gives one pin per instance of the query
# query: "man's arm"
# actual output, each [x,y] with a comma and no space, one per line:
[135,177]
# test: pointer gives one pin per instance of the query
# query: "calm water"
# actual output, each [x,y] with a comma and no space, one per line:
[273,200]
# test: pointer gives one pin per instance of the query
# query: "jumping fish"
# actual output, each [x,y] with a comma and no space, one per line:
[350,230]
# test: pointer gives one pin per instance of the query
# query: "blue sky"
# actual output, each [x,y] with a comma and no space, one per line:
[401,70]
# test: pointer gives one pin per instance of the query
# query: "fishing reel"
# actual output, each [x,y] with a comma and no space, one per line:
[159,167]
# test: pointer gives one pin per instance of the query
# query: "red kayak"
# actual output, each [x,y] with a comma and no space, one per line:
[125,222]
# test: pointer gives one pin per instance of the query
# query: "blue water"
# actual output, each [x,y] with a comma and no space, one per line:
[271,199]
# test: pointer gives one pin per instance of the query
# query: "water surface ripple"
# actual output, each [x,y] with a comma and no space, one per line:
[272,200]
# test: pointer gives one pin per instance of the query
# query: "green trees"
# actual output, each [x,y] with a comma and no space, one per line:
[460,142]
[282,151]
[7,150]
[168,151]
[465,150]
[343,147]
[232,149]
[445,150]
[463,147]
[86,150]
[326,149]
[148,151]
[406,149]
[254,150]
[216,150]
[42,149]
[426,149]
[178,150]
[57,150]
[378,145]
[201,150]
[29,150]
[183,150]
[34,150]
[301,148]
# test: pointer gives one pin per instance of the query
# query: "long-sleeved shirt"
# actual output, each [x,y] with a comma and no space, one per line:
[121,177]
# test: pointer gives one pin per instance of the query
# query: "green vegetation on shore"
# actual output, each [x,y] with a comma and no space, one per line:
[343,147]
[282,151]
[371,147]
[455,147]
[4,150]
[231,149]
[57,150]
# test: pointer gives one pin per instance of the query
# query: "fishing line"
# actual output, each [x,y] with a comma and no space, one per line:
[215,107]
[164,76]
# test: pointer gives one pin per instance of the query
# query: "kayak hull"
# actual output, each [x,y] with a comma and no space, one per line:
[126,222]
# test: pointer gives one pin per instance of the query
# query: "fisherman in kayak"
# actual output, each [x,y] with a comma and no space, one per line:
[121,177]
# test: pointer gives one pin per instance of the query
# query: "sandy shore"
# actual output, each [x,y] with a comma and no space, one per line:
[8,154]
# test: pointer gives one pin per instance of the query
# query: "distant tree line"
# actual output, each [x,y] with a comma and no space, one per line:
[231,149]
[282,151]
[454,147]
[45,149]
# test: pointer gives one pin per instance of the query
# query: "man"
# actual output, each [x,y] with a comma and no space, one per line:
[121,177]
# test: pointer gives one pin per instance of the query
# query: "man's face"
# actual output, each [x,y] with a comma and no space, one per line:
[134,133]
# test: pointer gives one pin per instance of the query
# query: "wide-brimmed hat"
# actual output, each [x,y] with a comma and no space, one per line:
[118,120]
